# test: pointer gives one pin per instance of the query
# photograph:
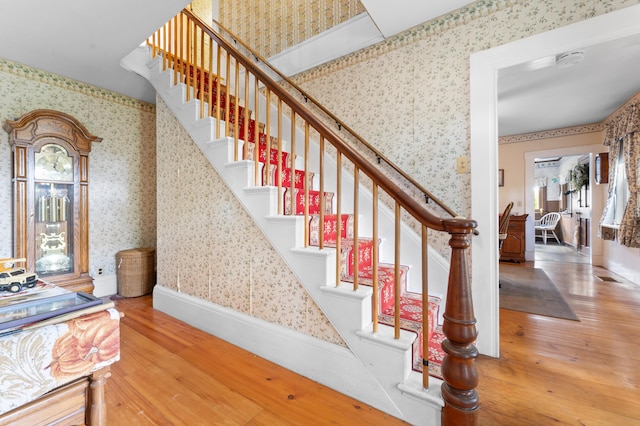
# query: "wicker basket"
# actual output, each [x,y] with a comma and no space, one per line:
[135,270]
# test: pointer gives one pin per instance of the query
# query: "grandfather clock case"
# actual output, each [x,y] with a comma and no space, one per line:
[51,196]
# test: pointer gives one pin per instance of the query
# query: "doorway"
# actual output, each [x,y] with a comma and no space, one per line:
[562,193]
[484,152]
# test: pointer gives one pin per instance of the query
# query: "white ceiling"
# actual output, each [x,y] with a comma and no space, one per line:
[83,40]
[539,95]
[87,44]
[393,17]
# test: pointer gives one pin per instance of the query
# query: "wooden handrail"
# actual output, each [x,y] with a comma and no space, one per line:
[458,368]
[414,208]
[341,124]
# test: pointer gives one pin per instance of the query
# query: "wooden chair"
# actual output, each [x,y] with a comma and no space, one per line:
[546,224]
[503,224]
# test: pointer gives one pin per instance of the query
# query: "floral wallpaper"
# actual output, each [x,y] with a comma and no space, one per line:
[210,248]
[408,95]
[122,169]
[203,9]
[416,84]
[270,27]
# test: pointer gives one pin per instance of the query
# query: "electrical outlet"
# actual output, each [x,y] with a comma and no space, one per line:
[462,165]
[100,270]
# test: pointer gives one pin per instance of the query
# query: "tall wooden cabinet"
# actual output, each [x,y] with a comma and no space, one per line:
[51,196]
[514,246]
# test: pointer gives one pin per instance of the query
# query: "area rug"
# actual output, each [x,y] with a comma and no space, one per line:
[530,290]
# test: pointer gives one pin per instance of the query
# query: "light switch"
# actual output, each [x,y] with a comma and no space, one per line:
[462,165]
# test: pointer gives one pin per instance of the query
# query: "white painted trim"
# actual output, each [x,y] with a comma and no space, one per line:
[329,364]
[352,35]
[484,139]
[135,61]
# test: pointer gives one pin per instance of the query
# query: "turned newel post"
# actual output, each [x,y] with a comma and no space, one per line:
[458,368]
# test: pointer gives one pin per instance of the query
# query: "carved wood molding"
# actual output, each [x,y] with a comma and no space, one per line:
[46,122]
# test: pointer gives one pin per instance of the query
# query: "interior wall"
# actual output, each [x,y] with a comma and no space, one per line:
[547,174]
[410,96]
[511,158]
[270,27]
[622,260]
[203,9]
[417,109]
[122,169]
[209,247]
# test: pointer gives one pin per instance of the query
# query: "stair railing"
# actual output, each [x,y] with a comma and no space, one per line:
[342,126]
[231,89]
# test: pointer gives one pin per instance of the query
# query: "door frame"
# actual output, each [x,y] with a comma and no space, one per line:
[484,67]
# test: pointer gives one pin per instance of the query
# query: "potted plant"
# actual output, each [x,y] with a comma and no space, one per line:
[580,176]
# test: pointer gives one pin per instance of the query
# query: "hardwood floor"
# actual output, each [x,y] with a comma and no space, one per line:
[173,374]
[555,252]
[562,372]
[551,371]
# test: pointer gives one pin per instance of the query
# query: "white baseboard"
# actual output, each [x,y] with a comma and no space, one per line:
[331,365]
[105,285]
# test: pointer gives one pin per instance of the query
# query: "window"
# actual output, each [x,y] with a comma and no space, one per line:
[540,199]
[620,193]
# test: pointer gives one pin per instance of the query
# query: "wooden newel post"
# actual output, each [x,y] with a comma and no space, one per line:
[458,368]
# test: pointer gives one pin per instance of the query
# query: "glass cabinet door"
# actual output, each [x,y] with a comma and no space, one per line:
[53,173]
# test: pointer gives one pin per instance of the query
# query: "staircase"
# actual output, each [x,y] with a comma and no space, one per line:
[370,297]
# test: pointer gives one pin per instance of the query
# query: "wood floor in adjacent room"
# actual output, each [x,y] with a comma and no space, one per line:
[551,372]
[562,372]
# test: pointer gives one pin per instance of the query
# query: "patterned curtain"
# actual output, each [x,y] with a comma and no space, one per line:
[624,130]
[630,226]
[614,148]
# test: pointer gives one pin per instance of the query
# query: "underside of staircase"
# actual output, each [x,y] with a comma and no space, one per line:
[393,365]
[390,361]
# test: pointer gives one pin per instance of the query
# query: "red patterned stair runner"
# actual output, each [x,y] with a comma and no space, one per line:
[411,319]
[285,177]
[410,303]
[194,74]
[314,196]
[314,201]
[262,152]
[330,227]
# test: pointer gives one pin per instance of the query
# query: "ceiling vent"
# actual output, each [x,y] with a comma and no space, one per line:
[569,59]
